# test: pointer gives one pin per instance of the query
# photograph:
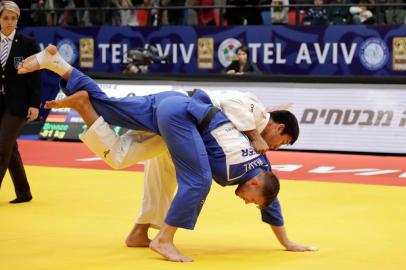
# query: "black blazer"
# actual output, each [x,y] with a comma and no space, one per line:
[248,68]
[21,91]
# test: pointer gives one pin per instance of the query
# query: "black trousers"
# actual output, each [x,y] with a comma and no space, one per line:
[10,126]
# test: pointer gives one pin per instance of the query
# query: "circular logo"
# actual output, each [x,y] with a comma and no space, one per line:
[227,51]
[374,53]
[67,49]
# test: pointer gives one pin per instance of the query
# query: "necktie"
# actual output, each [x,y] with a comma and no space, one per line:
[4,52]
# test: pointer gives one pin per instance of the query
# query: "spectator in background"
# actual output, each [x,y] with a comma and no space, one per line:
[296,14]
[153,15]
[243,15]
[279,14]
[124,16]
[66,17]
[253,14]
[25,16]
[316,15]
[82,16]
[303,2]
[191,14]
[51,15]
[115,12]
[205,16]
[234,16]
[395,15]
[339,14]
[98,16]
[38,16]
[361,14]
[175,16]
[242,65]
[378,11]
[59,11]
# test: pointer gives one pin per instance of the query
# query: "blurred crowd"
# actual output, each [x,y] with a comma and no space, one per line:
[212,12]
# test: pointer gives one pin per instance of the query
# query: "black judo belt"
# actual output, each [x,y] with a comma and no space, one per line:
[209,116]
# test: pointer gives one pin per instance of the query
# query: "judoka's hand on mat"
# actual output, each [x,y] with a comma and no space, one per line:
[282,237]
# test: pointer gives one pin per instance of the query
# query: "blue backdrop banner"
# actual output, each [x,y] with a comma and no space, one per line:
[301,50]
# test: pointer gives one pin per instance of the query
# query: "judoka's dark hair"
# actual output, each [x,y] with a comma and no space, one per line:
[270,188]
[289,120]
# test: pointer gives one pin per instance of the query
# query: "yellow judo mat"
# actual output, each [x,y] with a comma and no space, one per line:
[79,219]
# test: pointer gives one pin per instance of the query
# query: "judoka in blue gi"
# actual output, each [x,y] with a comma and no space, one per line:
[189,126]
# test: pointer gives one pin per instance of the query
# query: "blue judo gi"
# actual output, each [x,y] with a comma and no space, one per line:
[197,156]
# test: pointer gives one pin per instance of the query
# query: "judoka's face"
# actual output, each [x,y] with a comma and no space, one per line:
[274,137]
[251,192]
[8,22]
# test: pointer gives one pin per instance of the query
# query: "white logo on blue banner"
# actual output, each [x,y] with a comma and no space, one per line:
[227,50]
[68,50]
[374,53]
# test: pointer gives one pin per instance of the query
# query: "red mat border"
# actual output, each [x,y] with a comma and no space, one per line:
[344,168]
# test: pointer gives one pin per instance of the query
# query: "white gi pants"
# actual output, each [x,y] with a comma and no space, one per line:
[131,148]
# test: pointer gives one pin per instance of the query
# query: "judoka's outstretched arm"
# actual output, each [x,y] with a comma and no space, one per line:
[273,216]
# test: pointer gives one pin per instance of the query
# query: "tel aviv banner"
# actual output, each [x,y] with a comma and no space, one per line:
[314,50]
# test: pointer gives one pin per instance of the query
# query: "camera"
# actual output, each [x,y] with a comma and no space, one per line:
[145,56]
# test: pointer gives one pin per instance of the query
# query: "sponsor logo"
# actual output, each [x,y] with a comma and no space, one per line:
[374,54]
[68,50]
[349,117]
[227,51]
[86,52]
[399,54]
[205,51]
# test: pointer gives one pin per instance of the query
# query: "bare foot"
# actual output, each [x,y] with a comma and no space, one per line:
[80,102]
[75,101]
[31,63]
[46,59]
[137,241]
[138,237]
[168,251]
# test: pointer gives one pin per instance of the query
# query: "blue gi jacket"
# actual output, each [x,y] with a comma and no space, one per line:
[220,151]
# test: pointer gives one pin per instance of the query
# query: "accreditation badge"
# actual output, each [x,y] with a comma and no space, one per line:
[17,60]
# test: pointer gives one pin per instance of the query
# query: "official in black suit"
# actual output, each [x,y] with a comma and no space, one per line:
[20,97]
